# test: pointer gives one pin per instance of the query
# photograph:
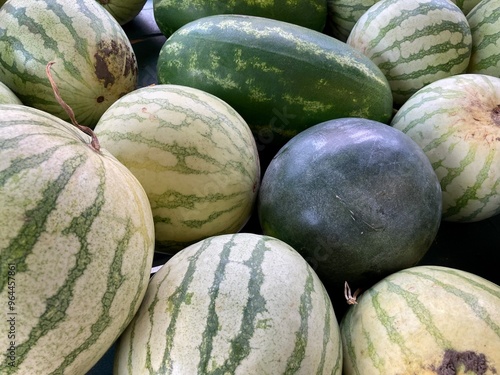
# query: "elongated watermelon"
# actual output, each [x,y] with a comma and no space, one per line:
[281,78]
[456,121]
[484,21]
[414,42]
[193,154]
[94,60]
[233,304]
[424,320]
[170,15]
[76,244]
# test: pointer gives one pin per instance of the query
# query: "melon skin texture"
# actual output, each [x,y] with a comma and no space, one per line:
[484,21]
[424,320]
[123,11]
[76,243]
[357,198]
[94,60]
[456,121]
[7,96]
[413,42]
[194,155]
[170,15]
[233,304]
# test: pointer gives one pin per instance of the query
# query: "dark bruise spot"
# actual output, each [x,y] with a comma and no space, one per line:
[495,115]
[100,99]
[469,360]
[112,59]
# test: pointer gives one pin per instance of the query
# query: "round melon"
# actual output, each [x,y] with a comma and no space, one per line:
[233,304]
[193,154]
[424,320]
[7,96]
[456,121]
[94,60]
[123,10]
[484,21]
[357,198]
[413,42]
[76,243]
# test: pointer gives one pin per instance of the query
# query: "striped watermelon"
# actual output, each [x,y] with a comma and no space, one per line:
[7,96]
[233,304]
[281,78]
[456,121]
[170,15]
[76,243]
[424,320]
[94,61]
[123,10]
[484,21]
[194,155]
[413,42]
[343,15]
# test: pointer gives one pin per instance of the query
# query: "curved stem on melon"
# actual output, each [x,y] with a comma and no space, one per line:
[94,143]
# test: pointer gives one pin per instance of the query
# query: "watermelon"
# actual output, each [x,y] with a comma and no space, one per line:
[76,243]
[343,15]
[281,78]
[456,121]
[170,15]
[233,304]
[466,5]
[94,60]
[484,21]
[414,42]
[356,198]
[193,154]
[424,320]
[123,10]
[7,96]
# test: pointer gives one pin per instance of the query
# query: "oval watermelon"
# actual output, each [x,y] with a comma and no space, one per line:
[424,320]
[193,154]
[357,198]
[94,60]
[76,243]
[413,42]
[456,121]
[233,304]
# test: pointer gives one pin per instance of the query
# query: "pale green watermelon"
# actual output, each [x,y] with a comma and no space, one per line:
[195,156]
[233,304]
[424,320]
[76,244]
[94,60]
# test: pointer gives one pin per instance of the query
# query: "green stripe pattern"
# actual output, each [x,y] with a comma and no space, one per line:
[233,304]
[193,154]
[408,321]
[281,78]
[455,121]
[413,42]
[484,21]
[77,235]
[343,15]
[94,60]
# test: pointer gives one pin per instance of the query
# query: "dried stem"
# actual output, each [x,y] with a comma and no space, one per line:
[94,142]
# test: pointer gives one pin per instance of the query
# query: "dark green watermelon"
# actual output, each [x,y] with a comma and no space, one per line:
[357,198]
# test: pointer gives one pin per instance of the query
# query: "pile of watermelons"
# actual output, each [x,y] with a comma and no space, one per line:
[192,187]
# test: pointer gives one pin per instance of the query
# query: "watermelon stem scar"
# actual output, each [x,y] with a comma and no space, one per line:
[94,144]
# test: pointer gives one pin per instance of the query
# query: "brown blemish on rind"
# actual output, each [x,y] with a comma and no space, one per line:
[112,58]
[470,361]
[495,115]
